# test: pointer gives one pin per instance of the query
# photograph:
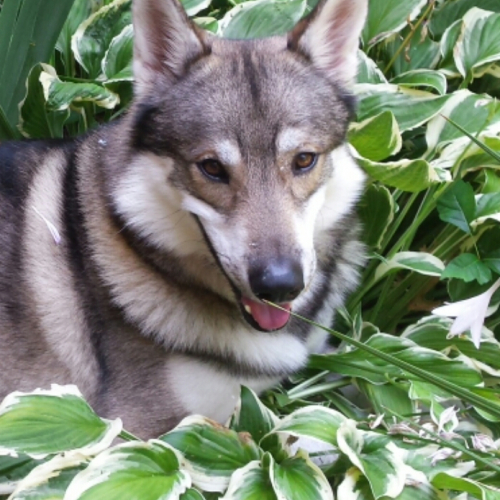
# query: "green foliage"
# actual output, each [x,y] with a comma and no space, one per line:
[407,406]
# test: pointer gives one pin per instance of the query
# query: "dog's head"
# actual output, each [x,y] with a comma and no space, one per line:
[247,138]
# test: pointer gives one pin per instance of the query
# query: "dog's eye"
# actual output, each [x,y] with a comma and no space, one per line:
[304,162]
[214,170]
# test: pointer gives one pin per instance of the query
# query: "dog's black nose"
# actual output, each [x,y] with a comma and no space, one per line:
[278,281]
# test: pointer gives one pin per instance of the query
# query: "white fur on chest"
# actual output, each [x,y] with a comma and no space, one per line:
[203,390]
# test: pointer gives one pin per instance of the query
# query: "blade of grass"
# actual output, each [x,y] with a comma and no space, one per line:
[464,394]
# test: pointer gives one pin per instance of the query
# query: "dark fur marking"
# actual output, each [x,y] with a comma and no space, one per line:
[76,238]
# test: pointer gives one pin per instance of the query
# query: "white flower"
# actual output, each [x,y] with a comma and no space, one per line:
[469,314]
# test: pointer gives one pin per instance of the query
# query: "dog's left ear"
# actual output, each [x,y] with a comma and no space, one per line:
[329,36]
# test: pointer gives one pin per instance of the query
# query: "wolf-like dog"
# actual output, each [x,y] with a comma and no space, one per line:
[138,261]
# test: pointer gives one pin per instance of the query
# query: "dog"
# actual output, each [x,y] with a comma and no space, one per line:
[140,261]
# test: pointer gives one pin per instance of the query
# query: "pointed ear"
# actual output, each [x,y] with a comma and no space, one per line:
[329,36]
[165,41]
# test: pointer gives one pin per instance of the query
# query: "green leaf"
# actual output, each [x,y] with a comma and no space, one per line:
[467,267]
[411,176]
[260,18]
[449,12]
[386,17]
[45,422]
[300,479]
[376,138]
[117,62]
[192,7]
[212,452]
[488,204]
[422,78]
[457,205]
[191,494]
[475,488]
[368,71]
[410,107]
[149,471]
[61,95]
[28,34]
[50,480]
[13,469]
[478,44]
[376,210]
[252,416]
[419,262]
[36,120]
[93,37]
[376,457]
[316,422]
[383,396]
[251,482]
[358,363]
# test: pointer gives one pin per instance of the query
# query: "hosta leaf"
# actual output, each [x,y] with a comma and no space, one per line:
[467,267]
[117,62]
[61,95]
[251,482]
[389,16]
[376,457]
[487,204]
[422,78]
[471,111]
[192,7]
[315,422]
[300,479]
[478,43]
[36,120]
[457,206]
[212,452]
[412,176]
[252,416]
[150,471]
[13,469]
[358,363]
[191,494]
[53,421]
[447,48]
[450,12]
[93,36]
[260,18]
[376,138]
[475,488]
[393,396]
[376,211]
[411,107]
[50,480]
[419,262]
[368,71]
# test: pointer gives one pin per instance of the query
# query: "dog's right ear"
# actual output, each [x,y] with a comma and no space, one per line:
[165,41]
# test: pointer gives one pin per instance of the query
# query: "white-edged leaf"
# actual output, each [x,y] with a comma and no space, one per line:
[386,17]
[422,78]
[117,62]
[260,18]
[368,71]
[61,95]
[211,452]
[252,416]
[46,422]
[150,471]
[411,107]
[376,456]
[298,478]
[92,38]
[419,262]
[316,422]
[475,488]
[411,176]
[376,138]
[50,480]
[252,482]
[192,7]
[13,468]
[478,44]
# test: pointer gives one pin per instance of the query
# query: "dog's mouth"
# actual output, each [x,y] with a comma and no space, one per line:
[264,316]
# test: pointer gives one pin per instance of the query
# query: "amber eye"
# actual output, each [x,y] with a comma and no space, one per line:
[213,169]
[304,162]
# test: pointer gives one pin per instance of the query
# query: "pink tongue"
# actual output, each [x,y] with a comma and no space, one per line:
[268,317]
